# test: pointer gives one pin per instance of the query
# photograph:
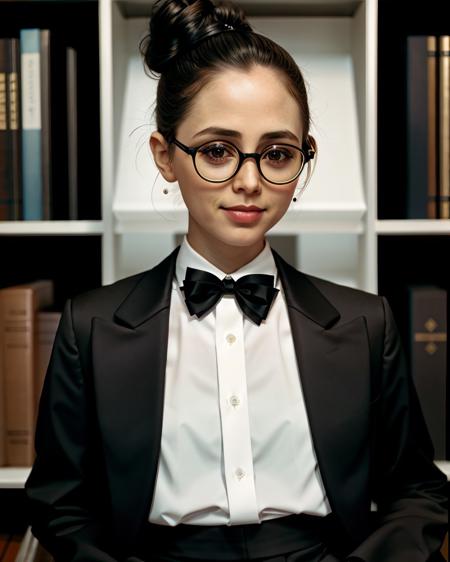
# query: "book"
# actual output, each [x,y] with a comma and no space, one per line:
[444,127]
[35,96]
[19,305]
[10,175]
[421,127]
[428,343]
[12,548]
[72,131]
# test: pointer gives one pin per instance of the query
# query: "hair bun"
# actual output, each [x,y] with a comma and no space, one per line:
[176,26]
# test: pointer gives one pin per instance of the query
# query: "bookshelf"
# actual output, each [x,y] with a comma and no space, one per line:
[349,226]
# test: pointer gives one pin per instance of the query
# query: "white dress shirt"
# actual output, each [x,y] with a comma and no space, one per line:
[236,445]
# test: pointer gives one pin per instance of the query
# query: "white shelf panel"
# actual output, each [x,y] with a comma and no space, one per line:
[13,477]
[309,218]
[413,226]
[133,8]
[51,227]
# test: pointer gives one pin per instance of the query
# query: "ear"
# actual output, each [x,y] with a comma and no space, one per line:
[160,150]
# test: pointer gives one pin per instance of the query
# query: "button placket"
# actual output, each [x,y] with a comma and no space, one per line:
[238,459]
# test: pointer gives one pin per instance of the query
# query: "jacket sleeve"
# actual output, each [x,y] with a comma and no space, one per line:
[62,491]
[409,490]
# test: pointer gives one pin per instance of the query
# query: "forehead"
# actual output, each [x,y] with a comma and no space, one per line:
[250,101]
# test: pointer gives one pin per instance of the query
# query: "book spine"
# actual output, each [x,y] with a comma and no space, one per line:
[2,393]
[72,133]
[444,127]
[19,361]
[46,123]
[15,129]
[421,127]
[19,306]
[5,134]
[31,124]
[428,359]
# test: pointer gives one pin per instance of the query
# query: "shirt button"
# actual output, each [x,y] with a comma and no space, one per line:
[240,473]
[234,401]
[231,338]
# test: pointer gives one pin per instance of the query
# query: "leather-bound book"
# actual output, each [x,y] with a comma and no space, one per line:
[428,344]
[10,175]
[444,127]
[19,305]
[421,127]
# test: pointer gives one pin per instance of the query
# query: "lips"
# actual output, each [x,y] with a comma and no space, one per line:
[244,208]
[243,214]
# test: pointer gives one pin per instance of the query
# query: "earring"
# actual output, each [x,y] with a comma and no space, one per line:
[165,191]
[294,199]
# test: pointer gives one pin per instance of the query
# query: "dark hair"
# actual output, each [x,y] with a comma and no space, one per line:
[189,41]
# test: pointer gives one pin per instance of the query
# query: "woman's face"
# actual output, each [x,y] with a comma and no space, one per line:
[249,105]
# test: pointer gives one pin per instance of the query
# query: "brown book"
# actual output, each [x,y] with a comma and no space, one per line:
[47,324]
[12,548]
[428,309]
[421,130]
[10,182]
[444,127]
[4,538]
[18,307]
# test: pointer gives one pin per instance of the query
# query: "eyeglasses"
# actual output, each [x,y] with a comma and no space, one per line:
[218,161]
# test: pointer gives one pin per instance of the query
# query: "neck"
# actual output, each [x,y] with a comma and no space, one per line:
[223,256]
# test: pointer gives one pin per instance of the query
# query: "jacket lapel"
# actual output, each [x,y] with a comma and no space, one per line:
[334,366]
[129,361]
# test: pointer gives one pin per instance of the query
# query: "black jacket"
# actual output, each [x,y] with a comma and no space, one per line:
[100,420]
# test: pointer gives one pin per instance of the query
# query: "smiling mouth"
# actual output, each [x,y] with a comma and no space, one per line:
[238,215]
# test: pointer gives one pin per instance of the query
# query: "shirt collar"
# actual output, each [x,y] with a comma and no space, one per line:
[187,257]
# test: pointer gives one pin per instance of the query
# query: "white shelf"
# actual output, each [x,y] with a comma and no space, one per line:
[13,477]
[50,227]
[133,8]
[413,226]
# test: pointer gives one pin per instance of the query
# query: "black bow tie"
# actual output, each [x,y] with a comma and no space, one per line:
[254,293]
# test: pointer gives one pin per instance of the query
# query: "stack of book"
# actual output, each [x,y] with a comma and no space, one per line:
[27,332]
[38,128]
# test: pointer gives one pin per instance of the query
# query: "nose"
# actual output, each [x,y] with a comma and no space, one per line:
[248,177]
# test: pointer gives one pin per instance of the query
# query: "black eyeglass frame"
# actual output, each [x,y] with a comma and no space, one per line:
[308,154]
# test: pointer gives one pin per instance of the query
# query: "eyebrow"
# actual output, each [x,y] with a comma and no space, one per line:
[285,133]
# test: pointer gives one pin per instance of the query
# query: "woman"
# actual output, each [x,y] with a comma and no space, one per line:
[223,405]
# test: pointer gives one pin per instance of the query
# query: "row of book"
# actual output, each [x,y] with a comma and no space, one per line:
[38,102]
[22,547]
[27,332]
[427,127]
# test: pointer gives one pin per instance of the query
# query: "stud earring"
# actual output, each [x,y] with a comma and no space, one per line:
[165,191]
[294,199]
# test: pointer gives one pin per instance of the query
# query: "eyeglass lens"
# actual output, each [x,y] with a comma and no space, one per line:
[218,161]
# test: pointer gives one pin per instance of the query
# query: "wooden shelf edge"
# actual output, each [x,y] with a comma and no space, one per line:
[13,477]
[13,228]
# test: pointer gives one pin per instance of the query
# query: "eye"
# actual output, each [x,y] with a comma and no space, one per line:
[216,152]
[278,155]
